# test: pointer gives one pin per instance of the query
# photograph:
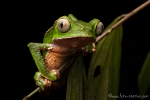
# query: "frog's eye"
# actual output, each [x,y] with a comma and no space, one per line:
[63,25]
[99,28]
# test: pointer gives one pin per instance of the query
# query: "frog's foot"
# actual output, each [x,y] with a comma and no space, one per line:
[86,50]
[42,81]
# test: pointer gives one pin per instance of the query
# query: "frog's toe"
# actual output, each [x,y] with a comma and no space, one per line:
[47,82]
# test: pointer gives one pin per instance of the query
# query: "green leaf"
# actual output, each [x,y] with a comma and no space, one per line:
[103,74]
[144,76]
[76,81]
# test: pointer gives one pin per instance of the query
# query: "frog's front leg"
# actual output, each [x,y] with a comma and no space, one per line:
[89,48]
[44,77]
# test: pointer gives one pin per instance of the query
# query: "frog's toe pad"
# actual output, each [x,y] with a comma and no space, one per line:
[47,82]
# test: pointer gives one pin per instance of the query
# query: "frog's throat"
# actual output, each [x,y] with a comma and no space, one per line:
[74,42]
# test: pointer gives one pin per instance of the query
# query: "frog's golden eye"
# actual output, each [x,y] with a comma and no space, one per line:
[99,28]
[63,25]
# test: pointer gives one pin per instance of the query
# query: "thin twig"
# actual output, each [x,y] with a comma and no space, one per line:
[33,92]
[133,12]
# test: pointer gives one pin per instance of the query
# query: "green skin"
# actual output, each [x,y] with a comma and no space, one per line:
[77,29]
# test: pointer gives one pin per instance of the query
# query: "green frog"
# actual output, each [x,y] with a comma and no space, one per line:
[62,43]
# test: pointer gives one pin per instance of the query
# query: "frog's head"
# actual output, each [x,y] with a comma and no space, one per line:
[69,31]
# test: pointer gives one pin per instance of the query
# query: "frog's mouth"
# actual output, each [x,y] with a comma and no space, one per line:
[74,42]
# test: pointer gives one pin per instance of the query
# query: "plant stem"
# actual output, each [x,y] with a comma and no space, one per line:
[127,16]
[29,95]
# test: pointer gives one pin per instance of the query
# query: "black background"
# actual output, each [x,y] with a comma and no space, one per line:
[24,22]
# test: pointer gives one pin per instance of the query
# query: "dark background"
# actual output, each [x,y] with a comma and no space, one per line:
[24,22]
